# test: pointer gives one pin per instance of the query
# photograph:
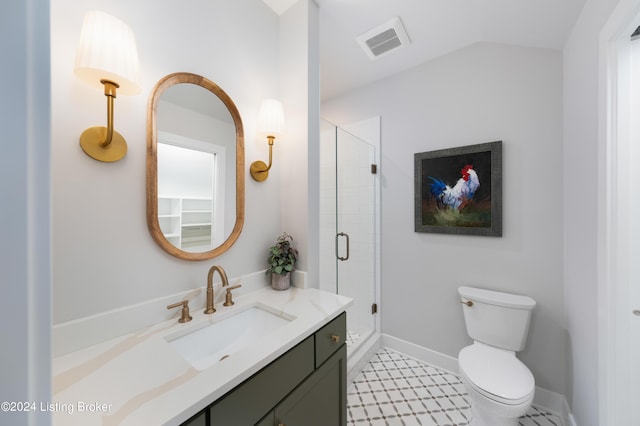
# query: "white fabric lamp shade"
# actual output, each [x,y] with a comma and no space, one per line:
[271,118]
[107,51]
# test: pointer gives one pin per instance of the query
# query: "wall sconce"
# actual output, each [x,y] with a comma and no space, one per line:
[270,124]
[107,56]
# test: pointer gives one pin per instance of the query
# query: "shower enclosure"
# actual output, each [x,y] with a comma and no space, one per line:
[348,200]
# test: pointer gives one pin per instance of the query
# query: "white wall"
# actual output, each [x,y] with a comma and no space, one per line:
[581,64]
[103,255]
[297,161]
[482,93]
[25,261]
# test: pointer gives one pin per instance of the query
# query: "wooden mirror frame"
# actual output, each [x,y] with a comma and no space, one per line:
[152,165]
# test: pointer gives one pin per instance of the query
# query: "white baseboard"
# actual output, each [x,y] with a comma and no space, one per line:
[549,401]
[555,403]
[570,420]
[437,359]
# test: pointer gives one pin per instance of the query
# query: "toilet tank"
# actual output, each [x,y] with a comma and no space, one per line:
[495,318]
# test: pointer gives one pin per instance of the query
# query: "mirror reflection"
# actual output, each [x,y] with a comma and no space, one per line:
[198,155]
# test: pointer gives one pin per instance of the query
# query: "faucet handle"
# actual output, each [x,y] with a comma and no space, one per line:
[185,317]
[228,298]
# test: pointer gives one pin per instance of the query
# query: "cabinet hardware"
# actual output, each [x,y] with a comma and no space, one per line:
[335,338]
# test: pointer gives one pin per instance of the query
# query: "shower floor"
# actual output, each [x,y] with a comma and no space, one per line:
[356,337]
[353,338]
[394,389]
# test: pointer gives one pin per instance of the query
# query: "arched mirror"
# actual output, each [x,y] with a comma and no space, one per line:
[195,167]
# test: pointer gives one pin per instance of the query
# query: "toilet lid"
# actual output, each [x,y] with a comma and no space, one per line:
[496,373]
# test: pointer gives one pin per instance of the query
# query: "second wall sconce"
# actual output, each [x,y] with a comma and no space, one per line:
[271,125]
[107,56]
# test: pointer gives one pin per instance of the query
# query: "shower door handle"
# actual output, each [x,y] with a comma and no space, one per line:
[338,235]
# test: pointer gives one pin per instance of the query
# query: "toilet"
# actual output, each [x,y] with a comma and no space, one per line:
[500,386]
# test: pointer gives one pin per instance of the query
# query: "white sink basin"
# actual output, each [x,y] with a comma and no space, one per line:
[211,341]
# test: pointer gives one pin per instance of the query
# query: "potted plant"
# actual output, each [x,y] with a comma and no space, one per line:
[282,259]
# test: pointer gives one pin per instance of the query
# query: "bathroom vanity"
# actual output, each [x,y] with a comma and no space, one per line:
[294,373]
[306,386]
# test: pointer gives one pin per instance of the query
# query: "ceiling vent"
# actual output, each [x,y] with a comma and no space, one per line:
[384,38]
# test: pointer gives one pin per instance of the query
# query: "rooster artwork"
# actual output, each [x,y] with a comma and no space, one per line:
[459,190]
[462,192]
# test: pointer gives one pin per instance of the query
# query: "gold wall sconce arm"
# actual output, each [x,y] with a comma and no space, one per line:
[270,124]
[259,170]
[104,143]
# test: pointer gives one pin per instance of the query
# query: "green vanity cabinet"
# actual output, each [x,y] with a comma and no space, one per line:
[250,401]
[304,387]
[329,338]
[321,399]
[197,420]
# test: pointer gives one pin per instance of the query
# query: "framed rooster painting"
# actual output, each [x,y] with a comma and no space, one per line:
[459,190]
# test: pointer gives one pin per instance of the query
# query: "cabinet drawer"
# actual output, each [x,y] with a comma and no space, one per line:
[330,338]
[248,403]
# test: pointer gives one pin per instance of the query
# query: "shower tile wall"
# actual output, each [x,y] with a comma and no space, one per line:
[327,208]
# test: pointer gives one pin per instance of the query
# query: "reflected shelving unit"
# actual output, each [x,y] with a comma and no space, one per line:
[186,222]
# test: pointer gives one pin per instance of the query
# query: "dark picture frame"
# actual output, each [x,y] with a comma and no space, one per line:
[459,190]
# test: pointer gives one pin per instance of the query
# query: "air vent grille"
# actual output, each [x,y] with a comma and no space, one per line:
[384,38]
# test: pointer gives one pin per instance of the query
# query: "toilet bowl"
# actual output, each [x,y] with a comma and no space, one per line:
[500,386]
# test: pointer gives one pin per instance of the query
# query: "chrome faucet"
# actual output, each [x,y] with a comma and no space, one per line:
[225,283]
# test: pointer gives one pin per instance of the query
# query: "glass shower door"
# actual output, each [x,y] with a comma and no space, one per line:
[348,226]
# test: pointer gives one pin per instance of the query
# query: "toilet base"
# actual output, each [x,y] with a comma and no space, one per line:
[487,412]
[481,418]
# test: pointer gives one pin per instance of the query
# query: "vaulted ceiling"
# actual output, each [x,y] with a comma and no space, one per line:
[434,27]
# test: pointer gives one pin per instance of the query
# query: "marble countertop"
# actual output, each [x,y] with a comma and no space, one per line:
[139,379]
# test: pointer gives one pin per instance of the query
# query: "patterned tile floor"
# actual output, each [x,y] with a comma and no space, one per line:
[393,390]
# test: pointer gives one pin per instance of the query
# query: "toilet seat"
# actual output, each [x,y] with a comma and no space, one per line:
[496,374]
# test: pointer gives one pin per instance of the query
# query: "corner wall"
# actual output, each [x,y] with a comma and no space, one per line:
[299,148]
[25,271]
[482,93]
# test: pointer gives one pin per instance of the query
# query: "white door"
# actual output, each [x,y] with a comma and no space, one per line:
[633,306]
[622,376]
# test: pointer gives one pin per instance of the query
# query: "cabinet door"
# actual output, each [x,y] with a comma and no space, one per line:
[248,403]
[267,420]
[321,400]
